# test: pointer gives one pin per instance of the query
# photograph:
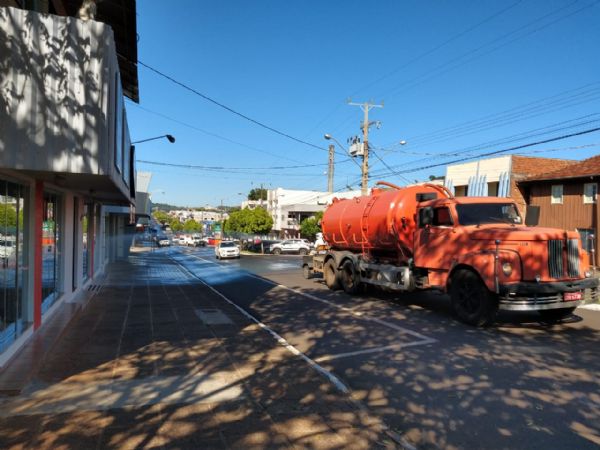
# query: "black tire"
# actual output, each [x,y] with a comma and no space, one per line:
[302,251]
[217,256]
[307,272]
[331,275]
[555,315]
[349,278]
[472,301]
[277,251]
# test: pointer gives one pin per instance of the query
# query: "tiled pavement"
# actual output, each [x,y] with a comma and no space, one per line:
[138,368]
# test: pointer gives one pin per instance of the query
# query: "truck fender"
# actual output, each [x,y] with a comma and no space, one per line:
[482,263]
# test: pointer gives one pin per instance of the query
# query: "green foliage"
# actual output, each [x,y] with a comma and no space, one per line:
[192,225]
[253,221]
[161,216]
[309,227]
[175,224]
[257,194]
[8,216]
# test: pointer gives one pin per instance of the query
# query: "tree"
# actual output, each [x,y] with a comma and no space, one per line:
[8,216]
[191,225]
[252,221]
[161,216]
[175,224]
[310,226]
[257,194]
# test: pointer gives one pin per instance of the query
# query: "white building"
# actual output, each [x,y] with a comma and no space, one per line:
[198,216]
[253,204]
[290,207]
[65,156]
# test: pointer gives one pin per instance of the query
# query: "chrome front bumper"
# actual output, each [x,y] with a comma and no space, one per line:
[538,297]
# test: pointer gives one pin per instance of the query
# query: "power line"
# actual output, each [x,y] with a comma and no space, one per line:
[514,138]
[416,59]
[426,76]
[388,167]
[496,152]
[507,117]
[229,109]
[437,47]
[192,166]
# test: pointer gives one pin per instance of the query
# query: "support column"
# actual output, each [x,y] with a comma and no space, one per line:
[37,259]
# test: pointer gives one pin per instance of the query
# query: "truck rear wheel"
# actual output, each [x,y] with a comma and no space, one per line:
[331,275]
[307,272]
[349,278]
[472,301]
[555,315]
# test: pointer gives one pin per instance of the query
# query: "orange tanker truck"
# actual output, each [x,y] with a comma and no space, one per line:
[477,249]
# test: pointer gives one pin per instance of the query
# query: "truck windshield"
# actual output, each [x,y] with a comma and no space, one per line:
[480,213]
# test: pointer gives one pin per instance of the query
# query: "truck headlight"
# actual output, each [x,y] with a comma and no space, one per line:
[507,269]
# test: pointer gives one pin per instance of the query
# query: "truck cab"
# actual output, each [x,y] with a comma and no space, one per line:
[483,240]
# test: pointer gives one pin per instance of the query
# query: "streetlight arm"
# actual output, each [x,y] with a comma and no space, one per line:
[169,137]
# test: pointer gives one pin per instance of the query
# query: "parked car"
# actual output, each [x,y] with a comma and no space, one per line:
[227,249]
[163,241]
[300,246]
[198,241]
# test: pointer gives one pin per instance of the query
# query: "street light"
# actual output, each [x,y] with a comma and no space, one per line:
[169,137]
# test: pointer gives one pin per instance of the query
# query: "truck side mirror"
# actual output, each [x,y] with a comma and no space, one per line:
[532,216]
[425,217]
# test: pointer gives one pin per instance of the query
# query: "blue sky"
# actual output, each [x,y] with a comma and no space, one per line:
[457,78]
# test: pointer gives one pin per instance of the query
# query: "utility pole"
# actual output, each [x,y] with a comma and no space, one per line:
[330,170]
[366,107]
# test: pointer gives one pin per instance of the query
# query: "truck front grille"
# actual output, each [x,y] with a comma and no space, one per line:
[556,258]
[573,258]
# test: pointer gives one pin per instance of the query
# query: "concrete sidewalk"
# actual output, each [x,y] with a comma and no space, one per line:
[158,360]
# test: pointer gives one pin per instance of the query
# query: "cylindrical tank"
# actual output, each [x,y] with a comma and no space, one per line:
[384,220]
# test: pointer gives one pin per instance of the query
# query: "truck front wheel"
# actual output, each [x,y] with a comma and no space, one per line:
[349,278]
[331,275]
[472,301]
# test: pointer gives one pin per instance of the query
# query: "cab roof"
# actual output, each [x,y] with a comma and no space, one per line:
[466,201]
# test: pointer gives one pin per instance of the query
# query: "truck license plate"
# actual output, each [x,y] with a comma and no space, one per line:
[572,296]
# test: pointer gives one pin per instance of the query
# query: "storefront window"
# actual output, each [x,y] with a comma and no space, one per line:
[86,226]
[13,320]
[51,255]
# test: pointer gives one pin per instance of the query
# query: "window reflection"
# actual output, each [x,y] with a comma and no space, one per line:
[13,319]
[50,251]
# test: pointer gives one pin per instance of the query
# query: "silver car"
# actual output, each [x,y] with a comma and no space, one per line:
[227,249]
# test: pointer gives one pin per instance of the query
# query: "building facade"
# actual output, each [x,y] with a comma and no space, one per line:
[65,157]
[498,177]
[289,207]
[568,199]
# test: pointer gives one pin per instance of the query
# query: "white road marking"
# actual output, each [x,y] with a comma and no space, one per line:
[384,323]
[326,373]
[374,350]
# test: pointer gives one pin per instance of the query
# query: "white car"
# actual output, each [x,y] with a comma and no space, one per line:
[163,241]
[300,246]
[227,249]
[7,247]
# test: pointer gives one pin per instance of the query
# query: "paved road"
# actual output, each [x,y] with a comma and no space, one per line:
[437,382]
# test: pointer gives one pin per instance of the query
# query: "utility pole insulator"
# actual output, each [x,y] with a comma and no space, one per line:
[366,107]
